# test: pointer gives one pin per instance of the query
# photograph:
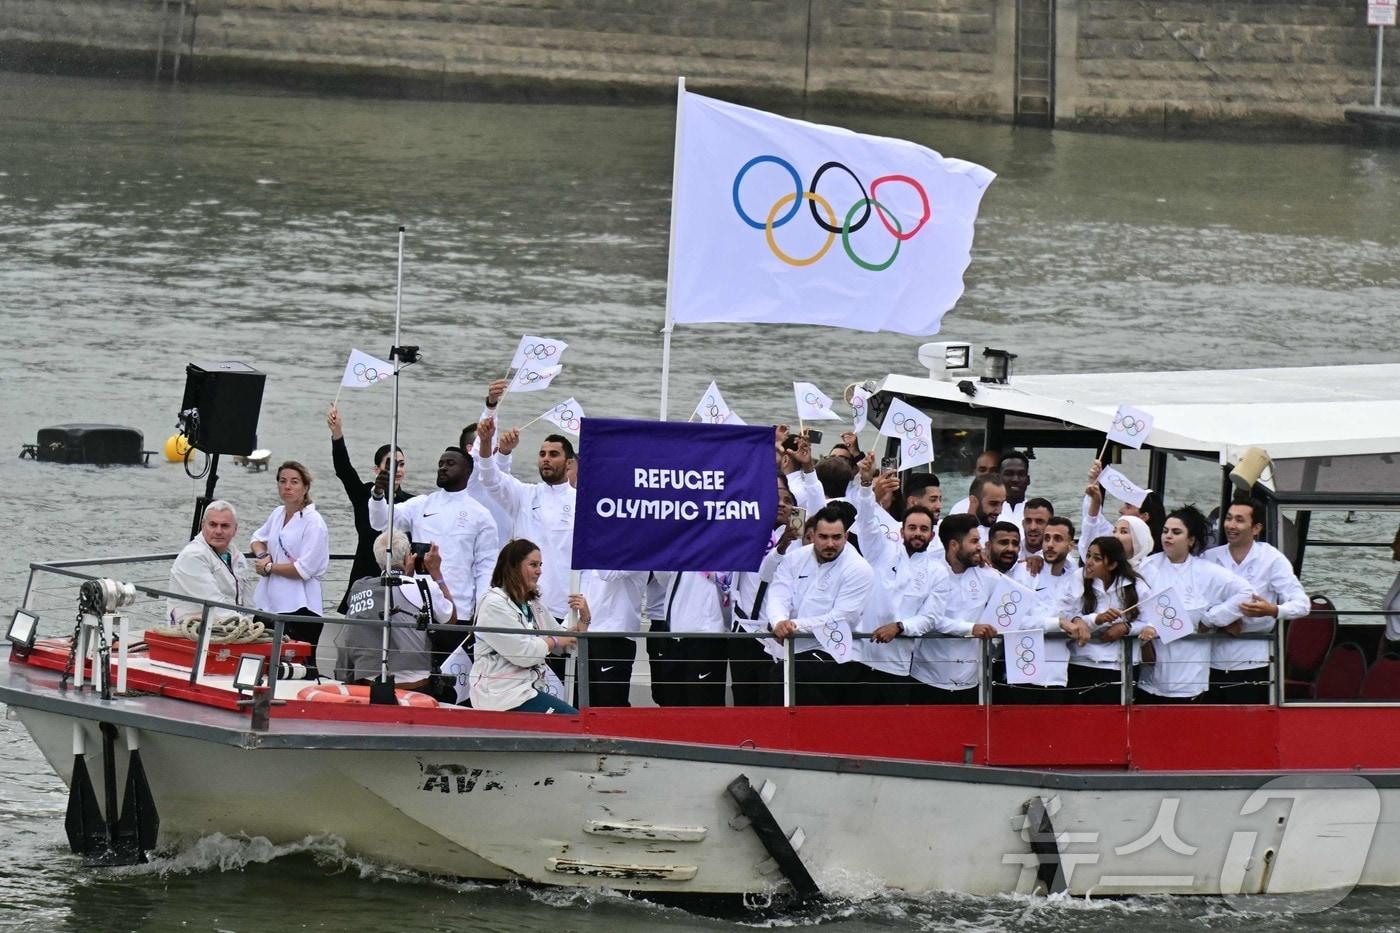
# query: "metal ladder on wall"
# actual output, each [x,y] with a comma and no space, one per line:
[1035,62]
[165,28]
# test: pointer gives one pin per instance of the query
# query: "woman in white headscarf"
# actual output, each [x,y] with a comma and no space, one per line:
[1136,538]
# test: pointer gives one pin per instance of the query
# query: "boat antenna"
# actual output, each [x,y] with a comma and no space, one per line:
[382,690]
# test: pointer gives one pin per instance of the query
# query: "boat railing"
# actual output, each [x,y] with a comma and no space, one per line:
[986,660]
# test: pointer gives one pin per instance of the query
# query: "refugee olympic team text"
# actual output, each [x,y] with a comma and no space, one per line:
[711,480]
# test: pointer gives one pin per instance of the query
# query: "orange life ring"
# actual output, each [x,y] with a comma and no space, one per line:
[359,695]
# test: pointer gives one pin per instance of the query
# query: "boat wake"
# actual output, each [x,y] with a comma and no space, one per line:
[219,852]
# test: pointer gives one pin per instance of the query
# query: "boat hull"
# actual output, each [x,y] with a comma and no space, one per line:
[651,817]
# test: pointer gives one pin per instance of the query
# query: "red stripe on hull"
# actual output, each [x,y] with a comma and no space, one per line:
[1147,738]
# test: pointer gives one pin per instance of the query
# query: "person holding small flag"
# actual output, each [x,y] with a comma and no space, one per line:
[1214,597]
[542,512]
[1113,592]
[459,525]
[365,563]
[822,586]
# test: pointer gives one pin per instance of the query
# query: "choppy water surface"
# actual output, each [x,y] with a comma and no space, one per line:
[141,229]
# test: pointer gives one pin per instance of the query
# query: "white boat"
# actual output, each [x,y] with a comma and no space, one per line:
[1297,796]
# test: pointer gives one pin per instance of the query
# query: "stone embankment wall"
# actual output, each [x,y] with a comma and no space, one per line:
[1117,62]
[1232,61]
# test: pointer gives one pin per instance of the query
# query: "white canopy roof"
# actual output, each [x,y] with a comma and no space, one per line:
[1307,411]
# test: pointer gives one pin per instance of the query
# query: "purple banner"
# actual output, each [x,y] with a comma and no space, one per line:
[656,495]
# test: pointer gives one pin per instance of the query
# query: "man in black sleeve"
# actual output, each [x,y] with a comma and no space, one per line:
[358,493]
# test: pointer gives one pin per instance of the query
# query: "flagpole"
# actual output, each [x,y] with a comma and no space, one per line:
[393,459]
[671,255]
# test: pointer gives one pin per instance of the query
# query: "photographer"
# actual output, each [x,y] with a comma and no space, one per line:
[358,647]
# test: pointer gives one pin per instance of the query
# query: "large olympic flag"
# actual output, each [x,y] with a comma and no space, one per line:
[673,496]
[783,221]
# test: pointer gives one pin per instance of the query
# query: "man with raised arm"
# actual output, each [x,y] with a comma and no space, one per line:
[358,493]
[1239,667]
[467,441]
[541,512]
[211,568]
[820,586]
[459,525]
[911,580]
[947,668]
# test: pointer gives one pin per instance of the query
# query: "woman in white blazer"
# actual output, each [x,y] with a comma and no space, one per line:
[510,670]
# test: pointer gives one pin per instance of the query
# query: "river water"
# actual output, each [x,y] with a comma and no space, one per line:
[142,228]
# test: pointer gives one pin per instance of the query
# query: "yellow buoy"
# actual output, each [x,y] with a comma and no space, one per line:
[177,446]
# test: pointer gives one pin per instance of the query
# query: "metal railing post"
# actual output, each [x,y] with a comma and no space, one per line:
[1125,662]
[201,647]
[790,671]
[581,669]
[984,671]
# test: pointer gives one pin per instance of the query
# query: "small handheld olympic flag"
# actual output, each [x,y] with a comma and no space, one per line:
[1008,607]
[812,403]
[1024,652]
[538,352]
[1120,487]
[914,429]
[835,638]
[1164,612]
[713,409]
[532,378]
[1130,427]
[860,407]
[568,414]
[364,371]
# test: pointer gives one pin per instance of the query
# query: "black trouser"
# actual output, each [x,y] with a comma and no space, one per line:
[700,667]
[610,670]
[1247,686]
[304,631]
[756,679]
[665,660]
[881,688]
[821,681]
[922,694]
[1095,685]
[1142,698]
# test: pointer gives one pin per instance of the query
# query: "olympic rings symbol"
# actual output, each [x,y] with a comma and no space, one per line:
[811,398]
[1167,611]
[1129,425]
[909,426]
[713,412]
[541,351]
[368,374]
[788,206]
[890,533]
[1121,484]
[1007,608]
[529,375]
[1025,655]
[858,403]
[835,640]
[568,418]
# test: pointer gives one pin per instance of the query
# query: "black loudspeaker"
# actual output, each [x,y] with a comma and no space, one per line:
[219,413]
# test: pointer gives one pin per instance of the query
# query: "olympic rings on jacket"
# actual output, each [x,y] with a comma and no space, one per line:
[787,207]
